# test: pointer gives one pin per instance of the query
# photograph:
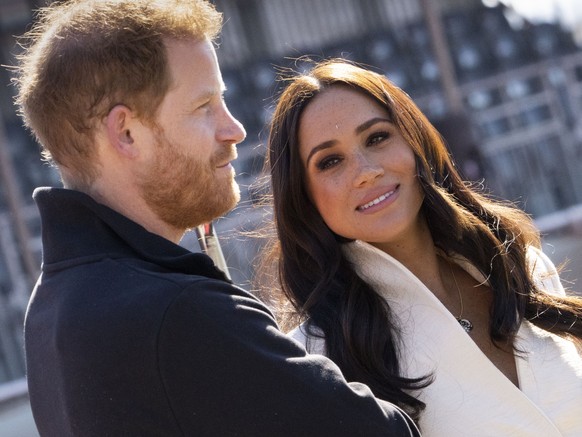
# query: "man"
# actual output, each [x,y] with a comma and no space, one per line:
[127,333]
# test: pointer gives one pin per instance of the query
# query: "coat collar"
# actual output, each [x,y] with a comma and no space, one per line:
[480,400]
[75,228]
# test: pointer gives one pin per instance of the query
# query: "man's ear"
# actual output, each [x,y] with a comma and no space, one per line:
[119,122]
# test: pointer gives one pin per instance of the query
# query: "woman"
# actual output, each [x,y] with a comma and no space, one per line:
[434,295]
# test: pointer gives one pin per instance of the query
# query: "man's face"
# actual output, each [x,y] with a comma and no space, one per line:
[188,180]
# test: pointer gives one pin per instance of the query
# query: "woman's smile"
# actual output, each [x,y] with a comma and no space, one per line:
[379,201]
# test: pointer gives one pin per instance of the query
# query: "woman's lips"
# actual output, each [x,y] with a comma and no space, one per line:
[376,201]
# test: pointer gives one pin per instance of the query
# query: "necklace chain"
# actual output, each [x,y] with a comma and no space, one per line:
[465,323]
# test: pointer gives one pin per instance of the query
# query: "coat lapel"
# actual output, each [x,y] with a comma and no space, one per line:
[469,395]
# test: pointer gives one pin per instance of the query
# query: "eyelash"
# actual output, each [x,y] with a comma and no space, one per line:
[328,162]
[377,137]
[373,140]
[203,106]
[206,105]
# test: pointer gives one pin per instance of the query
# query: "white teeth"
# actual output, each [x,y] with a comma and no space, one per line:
[376,201]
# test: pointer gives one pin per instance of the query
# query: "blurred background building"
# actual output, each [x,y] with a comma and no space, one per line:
[504,88]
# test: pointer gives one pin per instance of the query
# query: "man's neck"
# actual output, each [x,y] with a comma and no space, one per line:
[136,209]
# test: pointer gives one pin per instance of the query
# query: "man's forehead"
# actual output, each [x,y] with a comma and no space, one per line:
[194,64]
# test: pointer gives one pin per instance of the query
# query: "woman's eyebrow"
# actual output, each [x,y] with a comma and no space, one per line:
[322,146]
[368,124]
[359,129]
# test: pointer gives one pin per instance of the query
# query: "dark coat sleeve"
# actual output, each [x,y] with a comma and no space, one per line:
[228,371]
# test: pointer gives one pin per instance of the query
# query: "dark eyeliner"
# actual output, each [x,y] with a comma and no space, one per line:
[378,137]
[327,162]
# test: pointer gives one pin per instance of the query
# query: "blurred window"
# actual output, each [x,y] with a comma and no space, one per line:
[534,116]
[480,99]
[495,128]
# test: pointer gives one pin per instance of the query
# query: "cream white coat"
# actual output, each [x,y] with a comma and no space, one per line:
[469,395]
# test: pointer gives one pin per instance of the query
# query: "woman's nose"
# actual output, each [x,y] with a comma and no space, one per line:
[367,170]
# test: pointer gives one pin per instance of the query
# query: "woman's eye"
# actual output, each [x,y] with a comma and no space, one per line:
[328,162]
[377,137]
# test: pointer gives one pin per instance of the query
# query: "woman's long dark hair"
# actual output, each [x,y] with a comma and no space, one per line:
[322,285]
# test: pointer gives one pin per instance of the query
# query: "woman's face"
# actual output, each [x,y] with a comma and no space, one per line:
[360,172]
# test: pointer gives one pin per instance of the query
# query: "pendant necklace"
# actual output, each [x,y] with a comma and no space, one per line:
[465,323]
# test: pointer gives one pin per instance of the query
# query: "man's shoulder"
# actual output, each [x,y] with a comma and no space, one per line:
[131,285]
[187,294]
[217,301]
[310,336]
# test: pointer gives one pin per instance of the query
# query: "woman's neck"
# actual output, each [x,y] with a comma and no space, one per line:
[417,252]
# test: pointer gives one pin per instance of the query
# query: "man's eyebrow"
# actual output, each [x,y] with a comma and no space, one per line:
[359,129]
[210,93]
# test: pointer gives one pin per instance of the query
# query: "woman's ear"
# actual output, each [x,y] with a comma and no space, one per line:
[119,122]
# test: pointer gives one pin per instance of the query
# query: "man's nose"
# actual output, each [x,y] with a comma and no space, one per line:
[231,130]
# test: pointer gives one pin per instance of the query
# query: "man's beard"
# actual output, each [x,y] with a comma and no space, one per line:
[185,192]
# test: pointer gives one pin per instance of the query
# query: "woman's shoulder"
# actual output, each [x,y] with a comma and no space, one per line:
[310,336]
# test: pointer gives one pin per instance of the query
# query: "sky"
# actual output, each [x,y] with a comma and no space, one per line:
[567,12]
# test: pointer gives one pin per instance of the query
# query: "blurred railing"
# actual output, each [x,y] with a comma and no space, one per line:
[13,296]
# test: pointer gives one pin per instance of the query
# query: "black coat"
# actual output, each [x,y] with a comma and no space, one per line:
[129,334]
